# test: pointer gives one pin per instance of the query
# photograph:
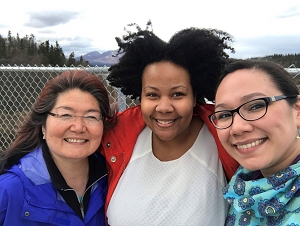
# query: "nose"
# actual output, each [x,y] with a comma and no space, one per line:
[164,105]
[239,125]
[78,125]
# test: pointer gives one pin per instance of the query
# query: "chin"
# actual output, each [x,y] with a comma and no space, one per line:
[165,136]
[251,167]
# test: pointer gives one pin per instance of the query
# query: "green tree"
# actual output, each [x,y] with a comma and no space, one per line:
[82,62]
[9,43]
[32,46]
[59,55]
[71,61]
[2,47]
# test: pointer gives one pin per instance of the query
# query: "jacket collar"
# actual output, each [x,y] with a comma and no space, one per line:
[97,170]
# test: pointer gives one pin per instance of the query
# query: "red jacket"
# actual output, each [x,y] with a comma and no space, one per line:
[118,143]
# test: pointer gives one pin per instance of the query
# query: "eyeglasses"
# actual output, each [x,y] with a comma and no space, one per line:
[90,120]
[249,111]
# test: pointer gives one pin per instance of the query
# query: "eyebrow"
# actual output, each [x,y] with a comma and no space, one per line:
[72,109]
[173,88]
[244,99]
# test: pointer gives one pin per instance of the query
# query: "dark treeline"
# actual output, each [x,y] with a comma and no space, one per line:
[286,60]
[25,51]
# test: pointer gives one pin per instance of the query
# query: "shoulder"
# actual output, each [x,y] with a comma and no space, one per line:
[11,183]
[12,176]
[229,164]
[131,112]
[129,126]
[12,197]
[130,122]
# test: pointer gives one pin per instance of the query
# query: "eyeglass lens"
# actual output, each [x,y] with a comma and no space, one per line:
[87,120]
[249,111]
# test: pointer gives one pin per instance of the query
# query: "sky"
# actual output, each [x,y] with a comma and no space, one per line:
[258,27]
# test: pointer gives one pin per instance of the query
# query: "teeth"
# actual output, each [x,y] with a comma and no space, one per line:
[75,141]
[165,122]
[244,146]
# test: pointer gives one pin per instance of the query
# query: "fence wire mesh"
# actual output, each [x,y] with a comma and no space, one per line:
[20,87]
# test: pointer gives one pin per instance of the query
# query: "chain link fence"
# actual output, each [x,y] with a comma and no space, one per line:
[20,87]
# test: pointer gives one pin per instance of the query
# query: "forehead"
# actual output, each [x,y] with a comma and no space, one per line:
[165,72]
[76,99]
[244,82]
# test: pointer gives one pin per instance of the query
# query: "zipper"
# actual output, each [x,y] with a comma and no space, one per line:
[82,208]
[81,202]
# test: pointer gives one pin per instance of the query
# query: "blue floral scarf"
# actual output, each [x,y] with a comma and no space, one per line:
[270,201]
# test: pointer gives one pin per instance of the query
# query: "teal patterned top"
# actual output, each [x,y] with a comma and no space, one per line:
[270,201]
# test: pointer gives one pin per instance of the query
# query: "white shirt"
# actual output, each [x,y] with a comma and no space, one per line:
[186,191]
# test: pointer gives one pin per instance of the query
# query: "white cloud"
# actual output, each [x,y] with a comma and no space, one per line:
[258,27]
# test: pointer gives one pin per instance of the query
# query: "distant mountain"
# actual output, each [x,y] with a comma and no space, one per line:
[100,59]
[106,58]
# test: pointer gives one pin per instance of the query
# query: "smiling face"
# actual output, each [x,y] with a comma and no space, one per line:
[73,140]
[167,100]
[269,143]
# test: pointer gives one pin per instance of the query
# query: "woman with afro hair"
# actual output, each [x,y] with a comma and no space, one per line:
[166,164]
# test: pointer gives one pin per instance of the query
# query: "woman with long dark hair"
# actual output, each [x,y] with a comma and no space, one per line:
[51,174]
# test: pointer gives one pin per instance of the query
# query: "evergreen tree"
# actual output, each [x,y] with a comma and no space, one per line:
[9,43]
[59,55]
[71,61]
[2,47]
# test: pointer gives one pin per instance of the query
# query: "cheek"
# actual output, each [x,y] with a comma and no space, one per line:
[54,130]
[185,109]
[96,135]
[147,107]
[276,119]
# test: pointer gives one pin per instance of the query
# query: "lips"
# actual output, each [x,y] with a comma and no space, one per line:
[251,144]
[165,122]
[75,140]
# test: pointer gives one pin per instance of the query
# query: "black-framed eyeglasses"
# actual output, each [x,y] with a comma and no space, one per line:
[70,118]
[249,111]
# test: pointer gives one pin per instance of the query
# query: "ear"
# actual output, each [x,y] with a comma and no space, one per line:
[297,108]
[43,129]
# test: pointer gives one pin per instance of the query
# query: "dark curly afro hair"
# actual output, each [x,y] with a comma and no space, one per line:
[200,51]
